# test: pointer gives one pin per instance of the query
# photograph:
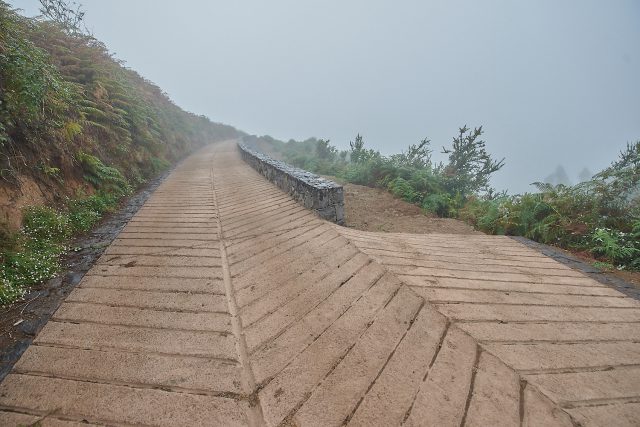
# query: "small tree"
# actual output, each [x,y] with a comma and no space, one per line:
[359,154]
[324,150]
[470,166]
[69,15]
[357,147]
[417,156]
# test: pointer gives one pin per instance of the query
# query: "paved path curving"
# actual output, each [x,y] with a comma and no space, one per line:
[223,302]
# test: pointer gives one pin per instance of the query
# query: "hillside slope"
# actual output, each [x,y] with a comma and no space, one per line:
[67,104]
[78,131]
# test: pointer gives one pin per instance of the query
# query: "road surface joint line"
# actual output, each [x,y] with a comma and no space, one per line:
[254,411]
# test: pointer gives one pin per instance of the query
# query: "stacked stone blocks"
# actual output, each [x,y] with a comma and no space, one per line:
[318,194]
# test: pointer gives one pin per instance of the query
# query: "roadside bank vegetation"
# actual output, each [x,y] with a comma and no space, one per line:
[599,216]
[78,131]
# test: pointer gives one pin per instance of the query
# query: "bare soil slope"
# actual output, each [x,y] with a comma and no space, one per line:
[374,209]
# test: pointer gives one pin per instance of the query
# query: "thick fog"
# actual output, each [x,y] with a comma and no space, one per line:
[552,82]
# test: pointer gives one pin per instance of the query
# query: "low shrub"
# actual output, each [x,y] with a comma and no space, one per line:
[440,204]
[109,179]
[401,188]
[32,255]
[621,249]
[45,224]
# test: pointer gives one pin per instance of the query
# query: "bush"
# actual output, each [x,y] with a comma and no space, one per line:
[33,93]
[359,173]
[32,255]
[34,252]
[85,212]
[400,187]
[440,204]
[159,165]
[621,249]
[103,177]
[33,262]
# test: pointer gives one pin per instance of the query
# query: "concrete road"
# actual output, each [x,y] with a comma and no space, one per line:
[224,302]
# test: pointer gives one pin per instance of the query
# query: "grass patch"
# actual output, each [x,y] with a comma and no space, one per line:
[32,254]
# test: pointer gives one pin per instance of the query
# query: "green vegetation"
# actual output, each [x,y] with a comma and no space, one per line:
[82,126]
[61,91]
[443,188]
[33,254]
[600,216]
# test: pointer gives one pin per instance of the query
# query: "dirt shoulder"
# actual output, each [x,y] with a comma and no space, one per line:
[374,209]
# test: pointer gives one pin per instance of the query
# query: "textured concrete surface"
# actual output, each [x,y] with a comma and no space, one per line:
[544,332]
[224,302]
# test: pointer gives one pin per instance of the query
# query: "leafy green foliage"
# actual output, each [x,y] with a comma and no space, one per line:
[85,212]
[618,247]
[42,223]
[159,165]
[410,175]
[601,215]
[440,204]
[61,91]
[401,188]
[33,262]
[107,178]
[324,150]
[32,254]
[418,156]
[33,94]
[35,252]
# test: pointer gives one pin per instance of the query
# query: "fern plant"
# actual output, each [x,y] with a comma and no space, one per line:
[618,247]
[103,177]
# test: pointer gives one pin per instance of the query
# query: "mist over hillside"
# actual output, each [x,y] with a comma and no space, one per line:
[551,82]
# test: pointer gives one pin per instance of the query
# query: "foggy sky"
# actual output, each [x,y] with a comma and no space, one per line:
[553,82]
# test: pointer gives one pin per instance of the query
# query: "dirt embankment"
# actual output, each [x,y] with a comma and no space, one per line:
[31,190]
[374,209]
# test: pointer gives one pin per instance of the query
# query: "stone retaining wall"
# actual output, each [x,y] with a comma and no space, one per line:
[324,197]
